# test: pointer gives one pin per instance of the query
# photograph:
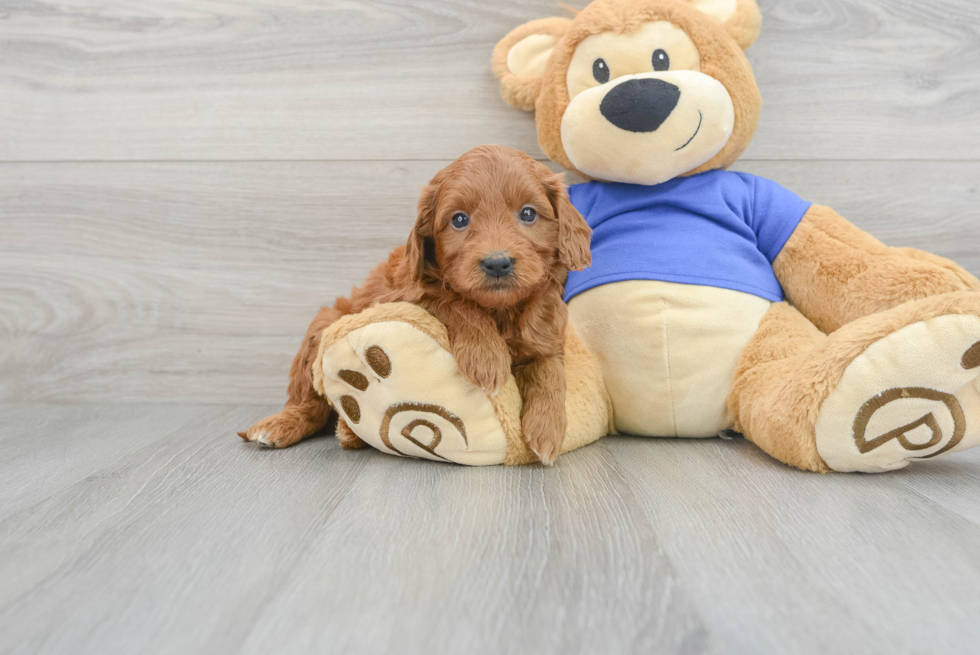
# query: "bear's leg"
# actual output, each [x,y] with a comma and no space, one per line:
[874,395]
[390,374]
[768,403]
[835,273]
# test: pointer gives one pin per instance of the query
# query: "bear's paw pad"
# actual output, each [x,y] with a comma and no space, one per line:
[400,391]
[911,395]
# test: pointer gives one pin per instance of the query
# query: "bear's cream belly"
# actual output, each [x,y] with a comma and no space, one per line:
[667,351]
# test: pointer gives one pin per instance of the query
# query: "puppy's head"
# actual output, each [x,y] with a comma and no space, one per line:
[495,225]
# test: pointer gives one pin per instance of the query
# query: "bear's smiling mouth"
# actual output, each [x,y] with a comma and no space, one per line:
[700,120]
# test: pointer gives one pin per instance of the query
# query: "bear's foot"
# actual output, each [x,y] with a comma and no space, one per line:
[913,394]
[389,373]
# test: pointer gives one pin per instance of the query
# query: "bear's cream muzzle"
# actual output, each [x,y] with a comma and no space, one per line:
[647,128]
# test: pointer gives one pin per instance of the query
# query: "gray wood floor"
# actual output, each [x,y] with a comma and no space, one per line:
[182,183]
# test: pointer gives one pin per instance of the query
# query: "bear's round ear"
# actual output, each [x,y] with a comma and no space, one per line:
[520,58]
[741,18]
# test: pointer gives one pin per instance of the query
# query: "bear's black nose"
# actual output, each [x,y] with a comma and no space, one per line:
[640,105]
[498,266]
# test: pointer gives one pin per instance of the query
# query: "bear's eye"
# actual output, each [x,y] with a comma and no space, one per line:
[661,61]
[600,71]
[460,221]
[528,215]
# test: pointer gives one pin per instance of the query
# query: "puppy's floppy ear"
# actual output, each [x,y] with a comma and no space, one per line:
[574,234]
[420,249]
[520,58]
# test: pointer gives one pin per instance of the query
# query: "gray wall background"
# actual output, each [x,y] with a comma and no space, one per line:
[181,187]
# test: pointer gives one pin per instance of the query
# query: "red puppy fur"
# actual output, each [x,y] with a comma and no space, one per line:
[489,255]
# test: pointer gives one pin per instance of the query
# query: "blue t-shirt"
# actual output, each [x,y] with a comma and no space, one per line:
[717,229]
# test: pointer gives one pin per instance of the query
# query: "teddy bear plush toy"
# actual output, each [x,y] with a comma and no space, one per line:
[715,299]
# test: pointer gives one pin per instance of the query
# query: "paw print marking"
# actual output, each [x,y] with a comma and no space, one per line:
[378,360]
[351,408]
[423,408]
[354,379]
[971,358]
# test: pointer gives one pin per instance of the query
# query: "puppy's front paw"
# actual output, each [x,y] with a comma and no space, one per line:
[544,438]
[485,368]
[546,447]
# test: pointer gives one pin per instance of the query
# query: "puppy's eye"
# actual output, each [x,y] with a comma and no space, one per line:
[600,71]
[460,221]
[528,215]
[661,61]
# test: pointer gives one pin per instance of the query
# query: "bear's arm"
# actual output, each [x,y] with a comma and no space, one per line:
[835,273]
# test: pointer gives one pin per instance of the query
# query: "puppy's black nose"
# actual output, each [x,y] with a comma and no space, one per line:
[498,265]
[640,105]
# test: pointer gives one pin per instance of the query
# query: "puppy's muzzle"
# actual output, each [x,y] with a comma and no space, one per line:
[497,266]
[640,105]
